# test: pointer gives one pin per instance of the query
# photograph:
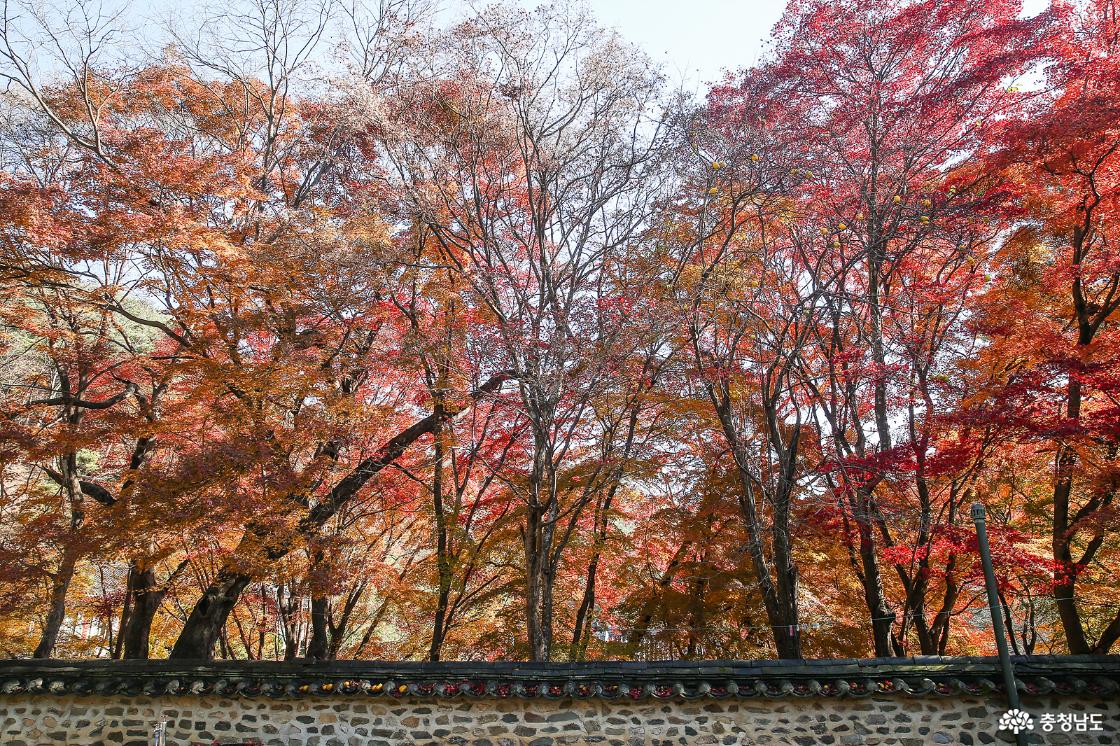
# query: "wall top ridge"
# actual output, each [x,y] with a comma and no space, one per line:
[916,676]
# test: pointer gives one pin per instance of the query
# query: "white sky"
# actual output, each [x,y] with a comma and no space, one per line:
[694,41]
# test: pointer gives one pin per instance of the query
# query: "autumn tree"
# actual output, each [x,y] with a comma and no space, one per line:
[335,330]
[877,99]
[1051,315]
[543,123]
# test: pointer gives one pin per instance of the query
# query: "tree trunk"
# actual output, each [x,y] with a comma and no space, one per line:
[538,609]
[439,629]
[443,560]
[777,579]
[208,617]
[646,617]
[536,556]
[126,611]
[338,631]
[1065,582]
[540,524]
[145,599]
[60,585]
[585,614]
[581,635]
[882,618]
[288,609]
[319,646]
[939,631]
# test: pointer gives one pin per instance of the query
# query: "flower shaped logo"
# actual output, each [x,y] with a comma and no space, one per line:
[1016,721]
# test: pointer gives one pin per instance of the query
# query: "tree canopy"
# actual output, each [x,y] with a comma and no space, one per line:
[331,331]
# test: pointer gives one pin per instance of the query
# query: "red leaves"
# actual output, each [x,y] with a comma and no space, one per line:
[884,285]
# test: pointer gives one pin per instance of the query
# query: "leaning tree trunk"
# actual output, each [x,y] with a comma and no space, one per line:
[645,618]
[209,615]
[581,634]
[60,585]
[585,615]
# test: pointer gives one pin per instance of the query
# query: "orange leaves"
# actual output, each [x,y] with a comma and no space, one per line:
[246,335]
[32,214]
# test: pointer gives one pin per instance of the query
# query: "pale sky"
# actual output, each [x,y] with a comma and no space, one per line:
[694,41]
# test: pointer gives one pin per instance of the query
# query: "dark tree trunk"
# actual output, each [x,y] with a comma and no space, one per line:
[145,595]
[581,635]
[208,617]
[540,578]
[439,628]
[338,631]
[882,619]
[145,599]
[443,549]
[60,582]
[126,611]
[317,649]
[584,615]
[776,574]
[60,586]
[941,623]
[537,535]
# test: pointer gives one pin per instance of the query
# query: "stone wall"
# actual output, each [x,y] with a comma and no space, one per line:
[908,702]
[30,720]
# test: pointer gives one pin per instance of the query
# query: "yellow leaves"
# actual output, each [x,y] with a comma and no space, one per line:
[897,199]
[713,190]
[927,202]
[716,165]
[842,227]
[924,219]
[755,157]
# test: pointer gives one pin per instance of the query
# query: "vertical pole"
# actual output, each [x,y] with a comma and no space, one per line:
[979,518]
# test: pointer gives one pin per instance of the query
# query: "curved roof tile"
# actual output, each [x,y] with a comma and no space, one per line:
[920,676]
